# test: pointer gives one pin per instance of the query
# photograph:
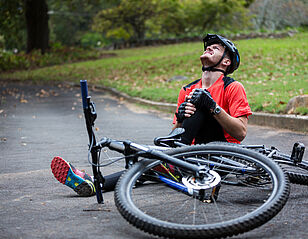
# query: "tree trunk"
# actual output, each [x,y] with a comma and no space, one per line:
[37,25]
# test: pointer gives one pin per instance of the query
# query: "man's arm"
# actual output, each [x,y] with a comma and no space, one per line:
[236,127]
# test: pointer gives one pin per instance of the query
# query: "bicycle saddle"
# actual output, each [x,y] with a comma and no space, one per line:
[169,140]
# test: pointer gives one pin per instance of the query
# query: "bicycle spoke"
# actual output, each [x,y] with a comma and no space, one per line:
[217,209]
[204,215]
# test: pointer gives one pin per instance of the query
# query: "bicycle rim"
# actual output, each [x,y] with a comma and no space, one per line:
[245,201]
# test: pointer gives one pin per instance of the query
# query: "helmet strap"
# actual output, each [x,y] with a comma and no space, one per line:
[212,68]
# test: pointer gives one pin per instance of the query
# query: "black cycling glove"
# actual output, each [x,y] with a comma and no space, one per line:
[202,99]
[180,115]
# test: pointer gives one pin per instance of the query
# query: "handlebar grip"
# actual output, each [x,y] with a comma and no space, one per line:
[84,93]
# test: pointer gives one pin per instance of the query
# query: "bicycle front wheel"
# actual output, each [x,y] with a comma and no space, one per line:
[252,190]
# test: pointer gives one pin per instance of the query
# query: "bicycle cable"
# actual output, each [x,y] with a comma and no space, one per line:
[114,160]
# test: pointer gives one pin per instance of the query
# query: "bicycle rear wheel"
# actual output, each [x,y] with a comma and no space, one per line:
[253,189]
[297,173]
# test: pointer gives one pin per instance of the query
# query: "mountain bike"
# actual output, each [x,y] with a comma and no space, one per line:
[177,191]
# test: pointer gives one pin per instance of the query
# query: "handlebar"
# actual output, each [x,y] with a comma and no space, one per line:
[84,93]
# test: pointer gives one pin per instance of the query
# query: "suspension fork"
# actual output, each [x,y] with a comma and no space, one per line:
[90,116]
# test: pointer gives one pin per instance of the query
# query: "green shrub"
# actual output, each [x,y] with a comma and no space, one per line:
[58,54]
[93,40]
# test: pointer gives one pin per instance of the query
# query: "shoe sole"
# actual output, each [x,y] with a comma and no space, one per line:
[65,175]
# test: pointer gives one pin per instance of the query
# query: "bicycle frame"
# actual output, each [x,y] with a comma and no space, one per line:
[126,147]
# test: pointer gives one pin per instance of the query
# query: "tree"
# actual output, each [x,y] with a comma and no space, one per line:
[279,14]
[13,27]
[24,23]
[126,20]
[221,15]
[37,25]
[133,20]
[170,19]
[70,20]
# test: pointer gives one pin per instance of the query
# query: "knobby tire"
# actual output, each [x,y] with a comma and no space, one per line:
[297,173]
[245,201]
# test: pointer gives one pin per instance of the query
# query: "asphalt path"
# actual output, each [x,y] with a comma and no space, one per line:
[38,122]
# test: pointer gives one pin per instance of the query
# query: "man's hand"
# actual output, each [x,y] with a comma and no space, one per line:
[180,115]
[185,110]
[202,99]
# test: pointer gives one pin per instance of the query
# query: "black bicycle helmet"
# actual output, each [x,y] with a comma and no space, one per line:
[211,39]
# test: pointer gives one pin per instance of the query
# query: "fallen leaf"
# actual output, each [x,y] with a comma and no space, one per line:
[44,93]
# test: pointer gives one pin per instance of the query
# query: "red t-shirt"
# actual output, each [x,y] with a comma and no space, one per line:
[232,99]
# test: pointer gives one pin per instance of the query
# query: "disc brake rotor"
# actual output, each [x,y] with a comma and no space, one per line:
[194,184]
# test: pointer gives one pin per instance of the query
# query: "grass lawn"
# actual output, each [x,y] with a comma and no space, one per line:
[272,71]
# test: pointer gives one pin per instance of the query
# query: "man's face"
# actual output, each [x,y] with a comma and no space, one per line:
[212,54]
